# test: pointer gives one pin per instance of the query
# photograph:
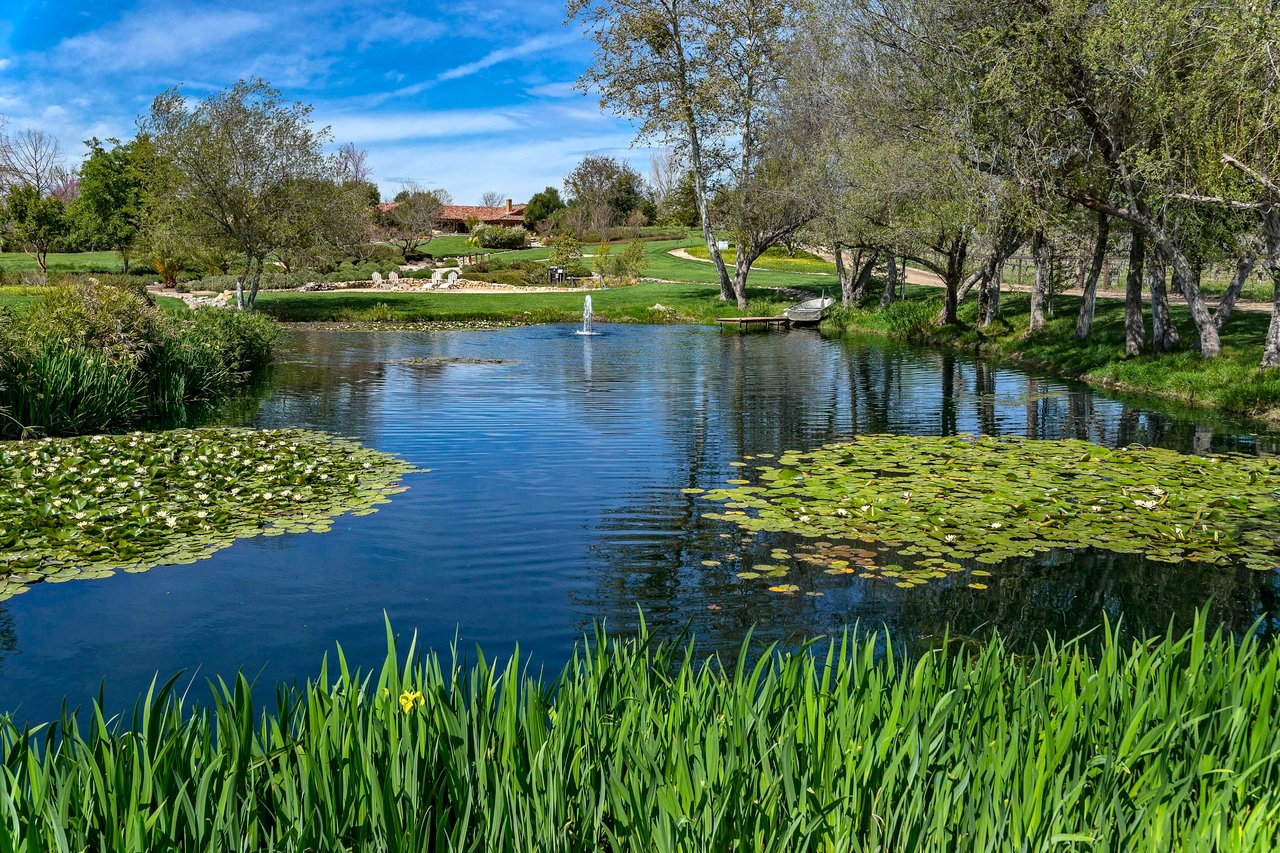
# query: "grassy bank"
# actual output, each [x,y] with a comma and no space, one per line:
[680,302]
[1168,745]
[1231,384]
[90,359]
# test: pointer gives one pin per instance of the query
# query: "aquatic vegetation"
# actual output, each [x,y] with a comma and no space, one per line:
[641,745]
[85,507]
[437,361]
[933,501]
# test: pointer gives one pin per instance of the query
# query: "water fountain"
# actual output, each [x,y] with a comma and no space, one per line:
[587,318]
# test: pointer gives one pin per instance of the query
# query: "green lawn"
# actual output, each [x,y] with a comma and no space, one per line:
[71,262]
[686,301]
[19,297]
[451,246]
[775,259]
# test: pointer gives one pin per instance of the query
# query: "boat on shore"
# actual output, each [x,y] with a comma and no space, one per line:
[810,311]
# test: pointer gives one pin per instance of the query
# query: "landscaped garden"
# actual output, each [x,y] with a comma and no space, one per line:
[892,462]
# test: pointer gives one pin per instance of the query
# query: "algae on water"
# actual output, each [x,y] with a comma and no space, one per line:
[83,507]
[988,499]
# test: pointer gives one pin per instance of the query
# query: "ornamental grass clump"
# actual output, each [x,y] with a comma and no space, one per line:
[1168,744]
[83,508]
[93,357]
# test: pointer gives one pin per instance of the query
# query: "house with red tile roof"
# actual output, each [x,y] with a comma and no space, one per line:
[454,217]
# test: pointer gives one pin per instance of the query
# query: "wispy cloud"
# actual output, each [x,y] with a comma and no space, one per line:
[5,63]
[555,90]
[537,44]
[148,38]
[374,128]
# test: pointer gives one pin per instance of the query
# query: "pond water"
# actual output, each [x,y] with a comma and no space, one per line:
[555,499]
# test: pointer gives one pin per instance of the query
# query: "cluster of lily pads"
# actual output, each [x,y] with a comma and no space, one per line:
[86,507]
[932,502]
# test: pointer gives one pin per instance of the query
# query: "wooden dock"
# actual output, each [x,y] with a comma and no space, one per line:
[744,322]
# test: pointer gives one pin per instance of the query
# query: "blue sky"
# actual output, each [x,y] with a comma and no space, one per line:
[471,95]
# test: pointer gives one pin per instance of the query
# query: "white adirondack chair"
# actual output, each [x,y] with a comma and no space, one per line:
[377,279]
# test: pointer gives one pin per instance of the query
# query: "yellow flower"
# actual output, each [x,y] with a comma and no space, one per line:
[409,698]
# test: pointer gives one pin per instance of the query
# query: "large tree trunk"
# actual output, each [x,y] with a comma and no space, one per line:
[1040,288]
[1134,331]
[864,278]
[843,276]
[741,266]
[1089,298]
[890,283]
[956,254]
[1164,337]
[241,281]
[1244,269]
[1271,234]
[253,289]
[989,296]
[1271,349]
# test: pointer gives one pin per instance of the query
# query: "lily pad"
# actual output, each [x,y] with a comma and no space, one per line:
[987,499]
[82,507]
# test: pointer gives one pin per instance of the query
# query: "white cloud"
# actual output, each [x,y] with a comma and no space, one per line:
[152,37]
[537,44]
[5,63]
[555,90]
[398,27]
[373,128]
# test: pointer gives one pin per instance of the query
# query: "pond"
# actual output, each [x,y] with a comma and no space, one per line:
[558,494]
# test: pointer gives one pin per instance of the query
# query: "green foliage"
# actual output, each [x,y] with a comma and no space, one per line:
[566,249]
[499,237]
[112,187]
[84,507]
[34,221]
[92,357]
[640,745]
[541,207]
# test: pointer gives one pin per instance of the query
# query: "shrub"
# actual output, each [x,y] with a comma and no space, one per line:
[499,237]
[88,358]
[115,321]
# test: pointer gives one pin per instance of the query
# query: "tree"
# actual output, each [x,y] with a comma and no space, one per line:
[34,221]
[112,184]
[492,198]
[605,189]
[31,157]
[242,162]
[409,223]
[541,207]
[698,75]
[566,251]
[352,166]
[681,206]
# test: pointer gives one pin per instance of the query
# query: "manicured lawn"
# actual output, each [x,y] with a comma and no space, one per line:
[75,262]
[775,259]
[686,301]
[450,246]
[19,297]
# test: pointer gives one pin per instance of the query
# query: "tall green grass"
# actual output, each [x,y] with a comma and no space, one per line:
[1172,744]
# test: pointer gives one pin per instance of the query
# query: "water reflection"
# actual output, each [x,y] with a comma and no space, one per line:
[555,499]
